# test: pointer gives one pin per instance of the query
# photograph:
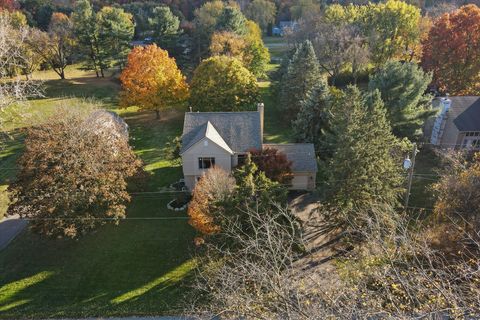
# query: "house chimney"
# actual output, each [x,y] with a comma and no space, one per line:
[261,110]
[190,109]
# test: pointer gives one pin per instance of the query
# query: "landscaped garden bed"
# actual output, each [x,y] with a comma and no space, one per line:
[180,202]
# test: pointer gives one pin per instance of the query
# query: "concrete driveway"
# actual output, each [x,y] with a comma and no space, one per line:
[9,228]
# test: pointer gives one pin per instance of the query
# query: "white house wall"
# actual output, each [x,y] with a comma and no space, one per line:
[303,181]
[191,171]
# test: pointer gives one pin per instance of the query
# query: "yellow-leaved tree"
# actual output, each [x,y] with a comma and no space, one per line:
[152,81]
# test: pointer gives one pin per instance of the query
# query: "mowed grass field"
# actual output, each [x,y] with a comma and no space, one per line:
[140,267]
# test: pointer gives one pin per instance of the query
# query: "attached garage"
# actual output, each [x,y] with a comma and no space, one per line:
[304,163]
[303,180]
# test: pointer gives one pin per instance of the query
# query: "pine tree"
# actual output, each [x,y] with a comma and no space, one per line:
[165,26]
[104,37]
[277,75]
[362,171]
[402,87]
[253,185]
[115,30]
[86,31]
[311,120]
[232,20]
[303,73]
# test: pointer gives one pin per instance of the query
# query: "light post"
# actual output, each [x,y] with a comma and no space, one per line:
[410,166]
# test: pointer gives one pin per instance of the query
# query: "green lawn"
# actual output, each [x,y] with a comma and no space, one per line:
[12,147]
[277,129]
[425,174]
[140,267]
[276,45]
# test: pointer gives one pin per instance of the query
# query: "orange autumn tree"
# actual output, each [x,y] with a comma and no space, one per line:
[228,44]
[452,51]
[214,188]
[152,81]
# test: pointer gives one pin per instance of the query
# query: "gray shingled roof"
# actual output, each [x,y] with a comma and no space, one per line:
[240,130]
[302,155]
[469,119]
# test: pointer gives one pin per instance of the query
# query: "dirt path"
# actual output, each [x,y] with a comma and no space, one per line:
[318,264]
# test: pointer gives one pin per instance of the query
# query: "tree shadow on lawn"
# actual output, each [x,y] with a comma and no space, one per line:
[105,89]
[163,176]
[140,267]
[11,146]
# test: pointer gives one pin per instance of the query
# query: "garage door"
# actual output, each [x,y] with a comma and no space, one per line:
[299,182]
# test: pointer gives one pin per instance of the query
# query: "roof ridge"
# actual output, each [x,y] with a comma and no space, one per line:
[208,126]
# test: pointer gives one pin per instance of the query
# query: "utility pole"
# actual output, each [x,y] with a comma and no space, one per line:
[410,166]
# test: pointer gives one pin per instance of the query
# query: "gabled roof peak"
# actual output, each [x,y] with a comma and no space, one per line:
[208,131]
[212,134]
[240,131]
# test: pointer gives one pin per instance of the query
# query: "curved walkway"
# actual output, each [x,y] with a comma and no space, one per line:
[9,228]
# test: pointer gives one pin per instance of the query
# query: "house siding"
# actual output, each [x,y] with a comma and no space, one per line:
[303,181]
[191,171]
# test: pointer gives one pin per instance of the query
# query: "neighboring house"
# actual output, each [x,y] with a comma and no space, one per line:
[223,139]
[457,124]
[108,122]
[141,43]
[283,27]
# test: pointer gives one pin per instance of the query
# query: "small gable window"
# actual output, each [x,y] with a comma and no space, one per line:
[206,163]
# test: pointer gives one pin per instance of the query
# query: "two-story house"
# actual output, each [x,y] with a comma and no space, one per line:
[223,139]
[457,124]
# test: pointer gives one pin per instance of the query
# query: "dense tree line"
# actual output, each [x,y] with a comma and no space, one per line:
[351,39]
[100,40]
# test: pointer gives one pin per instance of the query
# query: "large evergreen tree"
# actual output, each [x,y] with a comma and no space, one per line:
[84,25]
[362,170]
[232,20]
[165,26]
[311,120]
[402,87]
[115,31]
[103,36]
[302,74]
[277,75]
